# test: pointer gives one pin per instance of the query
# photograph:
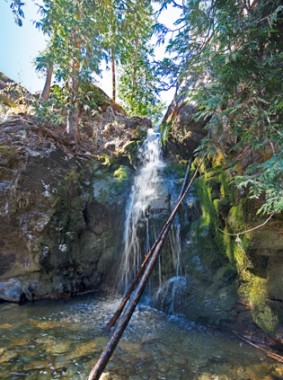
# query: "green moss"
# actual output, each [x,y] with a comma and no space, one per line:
[254,292]
[121,174]
[131,150]
[216,196]
[225,186]
[209,214]
[105,159]
[165,129]
[236,218]
[266,319]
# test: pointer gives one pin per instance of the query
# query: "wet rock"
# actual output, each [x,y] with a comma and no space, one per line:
[6,326]
[108,376]
[6,356]
[46,340]
[36,365]
[83,349]
[278,371]
[58,348]
[205,376]
[11,290]
[44,325]
[178,359]
[130,347]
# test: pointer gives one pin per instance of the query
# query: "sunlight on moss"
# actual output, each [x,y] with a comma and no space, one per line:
[236,218]
[216,195]
[121,174]
[254,292]
[218,159]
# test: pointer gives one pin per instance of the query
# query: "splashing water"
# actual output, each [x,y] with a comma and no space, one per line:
[147,189]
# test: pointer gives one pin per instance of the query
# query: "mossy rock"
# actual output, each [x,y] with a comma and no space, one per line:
[131,151]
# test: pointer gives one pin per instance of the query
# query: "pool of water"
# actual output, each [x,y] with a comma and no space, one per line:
[63,340]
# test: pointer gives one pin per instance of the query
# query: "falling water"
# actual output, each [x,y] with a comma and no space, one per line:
[146,190]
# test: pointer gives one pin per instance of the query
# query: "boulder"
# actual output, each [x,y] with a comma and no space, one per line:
[11,290]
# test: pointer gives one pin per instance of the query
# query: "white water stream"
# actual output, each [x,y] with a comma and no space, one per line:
[145,191]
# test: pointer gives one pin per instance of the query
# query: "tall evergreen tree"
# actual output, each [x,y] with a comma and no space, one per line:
[230,55]
[138,87]
[75,46]
[112,12]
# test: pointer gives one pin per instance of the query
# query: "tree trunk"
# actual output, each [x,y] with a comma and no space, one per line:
[113,75]
[73,110]
[46,89]
[135,67]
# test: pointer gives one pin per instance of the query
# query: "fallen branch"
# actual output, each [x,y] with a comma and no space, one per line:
[249,230]
[123,322]
[272,355]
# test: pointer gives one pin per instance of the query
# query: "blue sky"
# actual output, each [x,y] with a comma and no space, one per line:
[19,46]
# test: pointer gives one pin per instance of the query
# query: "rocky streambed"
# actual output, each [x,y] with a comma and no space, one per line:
[63,339]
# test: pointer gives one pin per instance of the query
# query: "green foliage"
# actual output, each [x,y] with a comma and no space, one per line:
[140,99]
[138,82]
[230,56]
[18,13]
[90,97]
[265,181]
[83,33]
[51,110]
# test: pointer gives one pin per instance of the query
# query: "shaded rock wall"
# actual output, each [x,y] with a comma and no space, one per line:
[253,255]
[61,211]
[227,278]
[181,133]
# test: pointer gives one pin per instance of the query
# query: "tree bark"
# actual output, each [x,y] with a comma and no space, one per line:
[113,68]
[46,89]
[72,127]
[135,67]
[73,110]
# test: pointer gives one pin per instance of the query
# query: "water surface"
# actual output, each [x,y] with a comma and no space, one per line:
[63,339]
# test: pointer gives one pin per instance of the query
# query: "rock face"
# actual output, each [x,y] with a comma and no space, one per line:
[183,134]
[226,278]
[62,206]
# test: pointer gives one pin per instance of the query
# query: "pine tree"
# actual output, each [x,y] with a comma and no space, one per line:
[138,87]
[229,55]
[75,47]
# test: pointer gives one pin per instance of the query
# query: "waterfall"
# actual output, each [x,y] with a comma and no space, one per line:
[146,190]
[147,210]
